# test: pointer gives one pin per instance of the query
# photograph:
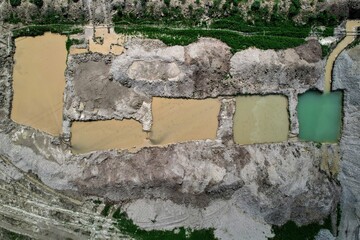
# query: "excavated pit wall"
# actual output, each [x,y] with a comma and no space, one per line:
[272,183]
[346,77]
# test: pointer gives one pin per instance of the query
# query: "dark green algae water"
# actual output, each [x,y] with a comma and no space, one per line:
[320,116]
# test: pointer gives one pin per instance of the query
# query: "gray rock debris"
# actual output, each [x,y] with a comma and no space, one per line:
[91,94]
[194,71]
[347,77]
[255,70]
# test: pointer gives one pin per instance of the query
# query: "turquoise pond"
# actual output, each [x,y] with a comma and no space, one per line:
[320,116]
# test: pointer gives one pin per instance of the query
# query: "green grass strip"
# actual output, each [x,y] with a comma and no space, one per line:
[236,41]
[126,226]
[36,30]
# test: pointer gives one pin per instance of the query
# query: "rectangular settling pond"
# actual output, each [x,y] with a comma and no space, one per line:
[320,116]
[261,119]
[104,135]
[174,120]
[39,82]
[180,120]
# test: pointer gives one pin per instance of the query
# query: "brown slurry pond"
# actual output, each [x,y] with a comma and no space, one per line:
[174,120]
[180,120]
[39,82]
[261,119]
[110,134]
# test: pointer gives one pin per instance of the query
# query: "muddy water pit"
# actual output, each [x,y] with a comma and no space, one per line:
[102,40]
[261,119]
[174,120]
[39,82]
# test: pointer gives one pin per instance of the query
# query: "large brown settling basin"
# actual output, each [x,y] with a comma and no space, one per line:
[39,82]
[105,135]
[261,119]
[180,120]
[174,120]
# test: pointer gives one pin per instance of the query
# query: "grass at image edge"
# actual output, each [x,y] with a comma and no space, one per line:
[126,226]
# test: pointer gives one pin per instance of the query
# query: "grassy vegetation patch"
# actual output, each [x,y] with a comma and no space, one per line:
[325,50]
[70,42]
[354,43]
[15,3]
[286,29]
[291,231]
[37,30]
[126,226]
[13,18]
[236,41]
[38,3]
[105,212]
[8,235]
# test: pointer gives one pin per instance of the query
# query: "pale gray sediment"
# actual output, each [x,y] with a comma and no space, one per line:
[346,77]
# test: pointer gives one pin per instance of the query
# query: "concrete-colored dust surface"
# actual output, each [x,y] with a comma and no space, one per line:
[39,82]
[179,120]
[105,135]
[261,119]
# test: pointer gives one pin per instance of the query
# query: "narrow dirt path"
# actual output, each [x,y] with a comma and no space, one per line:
[351,34]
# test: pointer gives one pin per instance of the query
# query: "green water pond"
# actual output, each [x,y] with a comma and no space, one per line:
[320,116]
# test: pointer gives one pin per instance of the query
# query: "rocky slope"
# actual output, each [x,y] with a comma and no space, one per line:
[346,77]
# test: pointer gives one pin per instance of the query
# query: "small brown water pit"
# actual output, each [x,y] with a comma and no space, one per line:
[106,41]
[39,82]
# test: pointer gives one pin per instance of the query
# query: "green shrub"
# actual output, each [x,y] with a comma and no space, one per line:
[13,18]
[70,42]
[38,3]
[234,40]
[167,2]
[127,226]
[15,3]
[294,8]
[40,30]
[291,231]
[255,6]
